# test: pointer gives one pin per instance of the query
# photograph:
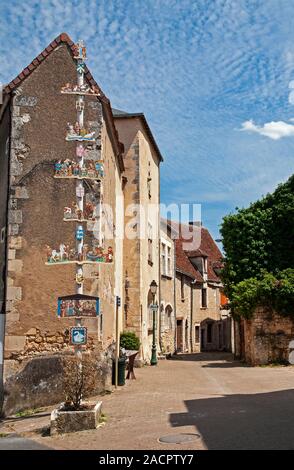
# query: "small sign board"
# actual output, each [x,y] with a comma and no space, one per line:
[78,306]
[154,307]
[78,335]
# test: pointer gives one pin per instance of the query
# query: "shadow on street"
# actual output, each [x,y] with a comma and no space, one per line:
[208,357]
[259,421]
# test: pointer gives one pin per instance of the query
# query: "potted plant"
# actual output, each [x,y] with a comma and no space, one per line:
[76,414]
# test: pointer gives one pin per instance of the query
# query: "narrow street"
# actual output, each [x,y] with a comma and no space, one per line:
[231,406]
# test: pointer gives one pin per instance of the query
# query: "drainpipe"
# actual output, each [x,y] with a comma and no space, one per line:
[191,313]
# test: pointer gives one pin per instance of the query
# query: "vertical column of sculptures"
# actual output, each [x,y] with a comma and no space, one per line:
[79,182]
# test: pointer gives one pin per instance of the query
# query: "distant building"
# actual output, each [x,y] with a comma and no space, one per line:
[203,324]
[167,314]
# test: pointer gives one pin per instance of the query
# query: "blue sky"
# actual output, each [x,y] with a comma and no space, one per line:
[213,77]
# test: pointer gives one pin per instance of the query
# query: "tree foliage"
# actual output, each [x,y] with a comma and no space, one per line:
[274,292]
[129,340]
[259,240]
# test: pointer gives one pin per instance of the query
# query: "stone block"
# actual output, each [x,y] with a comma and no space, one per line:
[73,421]
[15,243]
[16,168]
[14,343]
[15,111]
[21,192]
[9,305]
[11,254]
[31,332]
[13,229]
[14,293]
[15,265]
[11,317]
[15,217]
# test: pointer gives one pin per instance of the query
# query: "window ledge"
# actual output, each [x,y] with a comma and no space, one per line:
[166,276]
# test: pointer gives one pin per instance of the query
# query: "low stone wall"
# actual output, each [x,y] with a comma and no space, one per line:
[266,337]
[40,382]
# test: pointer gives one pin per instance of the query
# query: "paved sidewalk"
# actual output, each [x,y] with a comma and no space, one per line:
[230,405]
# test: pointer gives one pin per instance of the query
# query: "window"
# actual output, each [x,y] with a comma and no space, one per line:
[197,334]
[166,261]
[163,259]
[168,317]
[150,246]
[209,333]
[182,289]
[169,273]
[149,180]
[204,298]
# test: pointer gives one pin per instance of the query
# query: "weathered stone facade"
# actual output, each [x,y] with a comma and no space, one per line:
[266,337]
[141,256]
[202,323]
[39,116]
[167,318]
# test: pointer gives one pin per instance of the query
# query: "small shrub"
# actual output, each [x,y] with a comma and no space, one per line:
[78,381]
[129,340]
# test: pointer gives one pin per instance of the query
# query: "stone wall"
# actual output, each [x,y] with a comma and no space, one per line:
[266,337]
[39,382]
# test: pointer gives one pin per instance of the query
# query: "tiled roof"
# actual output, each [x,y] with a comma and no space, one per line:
[207,249]
[65,39]
[209,246]
[183,263]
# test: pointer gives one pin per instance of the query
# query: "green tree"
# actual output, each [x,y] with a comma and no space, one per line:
[258,243]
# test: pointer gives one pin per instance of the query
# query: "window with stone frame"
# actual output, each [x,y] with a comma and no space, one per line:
[168,317]
[204,297]
[163,259]
[149,181]
[166,266]
[182,289]
[197,333]
[169,262]
[150,244]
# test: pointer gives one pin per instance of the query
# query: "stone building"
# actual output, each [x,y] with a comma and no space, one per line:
[203,324]
[167,313]
[141,248]
[34,115]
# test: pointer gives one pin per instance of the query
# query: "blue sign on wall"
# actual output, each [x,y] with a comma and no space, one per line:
[78,335]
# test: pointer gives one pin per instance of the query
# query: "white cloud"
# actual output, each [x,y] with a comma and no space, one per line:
[274,130]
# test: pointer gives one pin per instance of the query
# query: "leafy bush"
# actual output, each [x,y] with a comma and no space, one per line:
[129,340]
[78,380]
[259,237]
[275,292]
